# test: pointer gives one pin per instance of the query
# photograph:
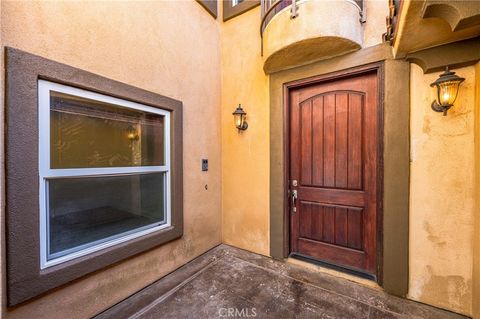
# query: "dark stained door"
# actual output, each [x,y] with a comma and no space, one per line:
[334,145]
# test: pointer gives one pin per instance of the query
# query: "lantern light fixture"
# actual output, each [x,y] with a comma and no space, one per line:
[239,118]
[447,89]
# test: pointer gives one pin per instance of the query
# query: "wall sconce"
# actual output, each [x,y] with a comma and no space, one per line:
[239,117]
[447,89]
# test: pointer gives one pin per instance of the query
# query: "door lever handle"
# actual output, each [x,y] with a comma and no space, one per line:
[294,200]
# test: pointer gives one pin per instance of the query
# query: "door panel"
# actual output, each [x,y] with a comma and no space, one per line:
[329,141]
[333,158]
[339,225]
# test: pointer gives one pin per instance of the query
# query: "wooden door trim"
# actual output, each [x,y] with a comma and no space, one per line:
[378,68]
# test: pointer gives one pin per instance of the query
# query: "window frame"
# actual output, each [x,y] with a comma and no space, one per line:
[211,7]
[230,11]
[25,277]
[48,173]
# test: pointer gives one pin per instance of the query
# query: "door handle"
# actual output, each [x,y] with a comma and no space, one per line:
[294,200]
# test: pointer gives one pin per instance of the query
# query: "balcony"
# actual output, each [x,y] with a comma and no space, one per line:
[296,32]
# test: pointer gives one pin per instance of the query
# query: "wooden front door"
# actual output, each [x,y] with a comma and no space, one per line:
[334,147]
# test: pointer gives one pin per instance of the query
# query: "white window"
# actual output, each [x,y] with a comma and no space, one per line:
[104,167]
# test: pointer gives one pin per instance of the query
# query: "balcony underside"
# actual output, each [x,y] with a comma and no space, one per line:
[322,30]
[430,23]
[307,51]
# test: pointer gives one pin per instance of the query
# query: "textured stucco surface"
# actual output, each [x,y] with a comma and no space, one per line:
[374,27]
[442,195]
[212,68]
[145,45]
[245,155]
[476,240]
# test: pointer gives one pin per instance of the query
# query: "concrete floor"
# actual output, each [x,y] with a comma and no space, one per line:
[227,282]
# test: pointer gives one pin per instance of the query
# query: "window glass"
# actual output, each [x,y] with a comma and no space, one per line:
[235,2]
[104,172]
[88,133]
[87,211]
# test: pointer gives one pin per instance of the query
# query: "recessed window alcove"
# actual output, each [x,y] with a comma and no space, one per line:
[94,173]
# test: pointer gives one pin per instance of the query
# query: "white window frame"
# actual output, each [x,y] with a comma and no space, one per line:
[45,172]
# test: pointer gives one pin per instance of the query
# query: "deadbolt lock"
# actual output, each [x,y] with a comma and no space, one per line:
[295,183]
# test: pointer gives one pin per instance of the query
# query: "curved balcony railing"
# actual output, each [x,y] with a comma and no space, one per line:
[269,8]
[296,32]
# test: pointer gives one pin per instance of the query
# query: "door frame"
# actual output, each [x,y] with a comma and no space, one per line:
[378,68]
[396,156]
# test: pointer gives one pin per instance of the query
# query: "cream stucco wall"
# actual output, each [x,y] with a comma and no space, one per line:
[476,240]
[442,195]
[176,49]
[245,155]
[171,48]
[374,27]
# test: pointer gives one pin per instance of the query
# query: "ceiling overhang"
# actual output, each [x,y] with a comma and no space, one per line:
[430,23]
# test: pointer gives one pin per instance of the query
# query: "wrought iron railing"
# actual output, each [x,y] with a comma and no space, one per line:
[392,20]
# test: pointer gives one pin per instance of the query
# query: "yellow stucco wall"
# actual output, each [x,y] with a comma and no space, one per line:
[441,229]
[476,245]
[442,195]
[171,48]
[245,155]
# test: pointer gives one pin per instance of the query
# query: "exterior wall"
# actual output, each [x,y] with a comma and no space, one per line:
[375,25]
[148,45]
[156,54]
[442,195]
[440,262]
[476,240]
[245,155]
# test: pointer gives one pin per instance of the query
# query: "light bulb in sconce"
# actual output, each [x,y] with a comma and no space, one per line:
[239,116]
[447,89]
